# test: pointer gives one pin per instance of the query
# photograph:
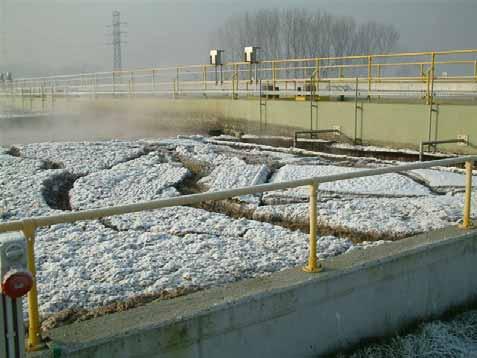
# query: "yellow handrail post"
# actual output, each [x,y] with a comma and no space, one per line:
[317,77]
[475,70]
[370,74]
[34,337]
[428,91]
[153,80]
[274,75]
[113,82]
[232,78]
[313,264]
[95,89]
[237,83]
[467,223]
[317,69]
[433,69]
[131,90]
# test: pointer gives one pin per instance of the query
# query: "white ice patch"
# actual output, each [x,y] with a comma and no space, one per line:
[440,179]
[382,185]
[388,216]
[214,155]
[21,186]
[142,179]
[84,157]
[207,154]
[236,173]
[87,265]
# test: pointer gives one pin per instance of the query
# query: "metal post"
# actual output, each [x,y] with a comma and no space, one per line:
[237,81]
[317,69]
[428,95]
[260,104]
[153,81]
[43,98]
[95,85]
[205,77]
[53,95]
[233,81]
[475,70]
[132,84]
[34,337]
[370,74]
[313,264]
[468,192]
[433,70]
[274,75]
[421,151]
[114,83]
[356,107]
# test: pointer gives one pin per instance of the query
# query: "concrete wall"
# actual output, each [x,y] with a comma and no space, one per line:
[401,125]
[367,293]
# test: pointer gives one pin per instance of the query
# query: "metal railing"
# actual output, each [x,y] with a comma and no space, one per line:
[416,74]
[30,225]
[434,143]
[313,134]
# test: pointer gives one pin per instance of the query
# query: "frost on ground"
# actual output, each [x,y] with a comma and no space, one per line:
[376,217]
[236,173]
[439,179]
[21,188]
[456,338]
[380,185]
[142,179]
[83,157]
[86,265]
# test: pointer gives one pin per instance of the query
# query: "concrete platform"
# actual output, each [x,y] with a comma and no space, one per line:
[363,294]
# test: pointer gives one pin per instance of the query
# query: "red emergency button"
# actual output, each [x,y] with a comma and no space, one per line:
[17,283]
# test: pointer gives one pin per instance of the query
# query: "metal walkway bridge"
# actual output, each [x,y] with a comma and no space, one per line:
[418,75]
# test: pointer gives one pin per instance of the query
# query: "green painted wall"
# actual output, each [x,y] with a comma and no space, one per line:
[401,125]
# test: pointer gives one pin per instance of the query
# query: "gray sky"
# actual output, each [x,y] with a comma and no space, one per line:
[64,36]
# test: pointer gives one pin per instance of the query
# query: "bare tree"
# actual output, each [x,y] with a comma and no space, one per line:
[293,33]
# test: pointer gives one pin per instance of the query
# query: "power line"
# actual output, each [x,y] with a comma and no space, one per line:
[117,41]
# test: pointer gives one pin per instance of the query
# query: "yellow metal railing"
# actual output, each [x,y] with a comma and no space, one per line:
[29,226]
[238,77]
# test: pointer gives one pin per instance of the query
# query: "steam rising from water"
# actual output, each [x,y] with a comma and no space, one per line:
[103,120]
